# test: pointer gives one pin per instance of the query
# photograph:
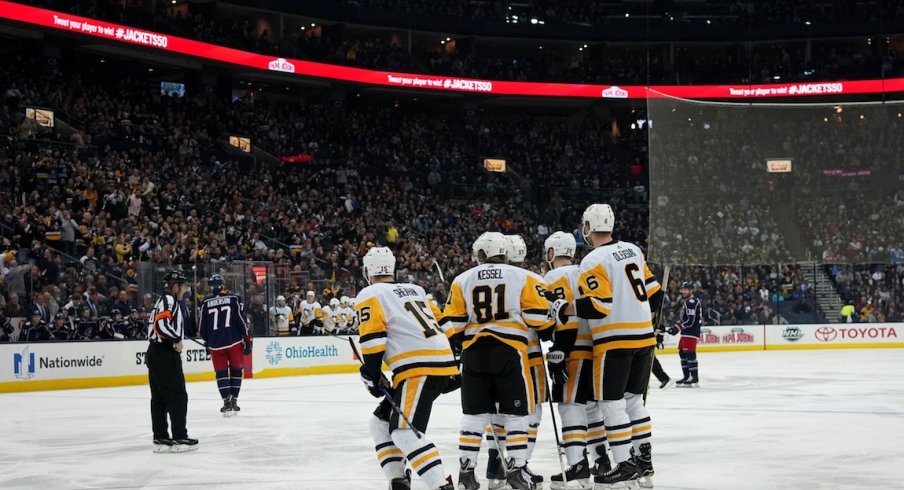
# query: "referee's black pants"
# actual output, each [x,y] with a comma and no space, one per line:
[658,371]
[168,395]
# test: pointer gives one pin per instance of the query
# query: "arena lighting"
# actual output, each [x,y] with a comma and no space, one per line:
[172,44]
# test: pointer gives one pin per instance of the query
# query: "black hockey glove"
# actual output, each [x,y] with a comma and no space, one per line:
[375,387]
[555,360]
[673,330]
[248,345]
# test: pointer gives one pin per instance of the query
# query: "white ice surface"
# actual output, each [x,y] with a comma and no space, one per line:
[776,420]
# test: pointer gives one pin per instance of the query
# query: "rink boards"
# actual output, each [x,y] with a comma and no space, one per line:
[68,365]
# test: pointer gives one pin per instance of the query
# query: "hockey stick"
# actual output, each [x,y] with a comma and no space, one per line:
[385,392]
[439,271]
[202,344]
[664,287]
[560,448]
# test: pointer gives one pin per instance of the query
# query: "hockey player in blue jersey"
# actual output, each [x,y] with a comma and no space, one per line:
[688,326]
[224,329]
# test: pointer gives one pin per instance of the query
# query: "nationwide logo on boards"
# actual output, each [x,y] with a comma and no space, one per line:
[792,334]
[24,364]
[274,353]
[281,64]
[615,92]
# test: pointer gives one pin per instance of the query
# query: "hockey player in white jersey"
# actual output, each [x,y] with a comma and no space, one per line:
[571,366]
[311,314]
[400,327]
[490,311]
[615,287]
[281,317]
[346,314]
[331,316]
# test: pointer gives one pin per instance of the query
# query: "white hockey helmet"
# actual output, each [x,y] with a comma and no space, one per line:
[429,297]
[344,300]
[559,244]
[281,300]
[597,218]
[310,294]
[515,249]
[352,302]
[378,261]
[334,302]
[491,243]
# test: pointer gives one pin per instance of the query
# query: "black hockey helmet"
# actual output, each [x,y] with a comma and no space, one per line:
[60,316]
[36,312]
[175,276]
[686,285]
[115,311]
[216,282]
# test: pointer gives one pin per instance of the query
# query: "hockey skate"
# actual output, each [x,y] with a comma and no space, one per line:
[466,478]
[184,445]
[536,479]
[495,471]
[163,445]
[688,383]
[448,485]
[644,462]
[235,405]
[601,465]
[578,473]
[623,476]
[666,384]
[403,483]
[517,478]
[227,410]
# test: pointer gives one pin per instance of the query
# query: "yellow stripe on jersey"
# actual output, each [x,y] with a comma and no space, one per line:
[373,326]
[621,326]
[418,353]
[534,304]
[563,289]
[652,285]
[595,284]
[455,315]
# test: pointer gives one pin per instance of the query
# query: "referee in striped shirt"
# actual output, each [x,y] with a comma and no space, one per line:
[168,395]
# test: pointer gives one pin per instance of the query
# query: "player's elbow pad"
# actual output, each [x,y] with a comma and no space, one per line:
[656,300]
[583,308]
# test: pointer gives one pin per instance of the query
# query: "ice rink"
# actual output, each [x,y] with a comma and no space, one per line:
[776,419]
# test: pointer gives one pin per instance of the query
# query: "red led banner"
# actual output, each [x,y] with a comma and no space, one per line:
[173,44]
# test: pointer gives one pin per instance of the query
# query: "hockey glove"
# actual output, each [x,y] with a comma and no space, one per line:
[555,359]
[673,330]
[557,310]
[248,344]
[374,387]
[659,340]
[550,296]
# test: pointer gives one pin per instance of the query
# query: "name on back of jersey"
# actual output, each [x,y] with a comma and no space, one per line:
[403,292]
[485,274]
[218,301]
[624,254]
